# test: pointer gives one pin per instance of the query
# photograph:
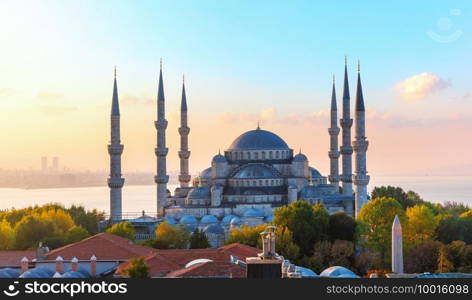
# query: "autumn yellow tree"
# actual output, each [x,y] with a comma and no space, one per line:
[7,235]
[420,226]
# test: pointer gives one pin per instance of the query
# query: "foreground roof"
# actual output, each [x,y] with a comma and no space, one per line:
[104,246]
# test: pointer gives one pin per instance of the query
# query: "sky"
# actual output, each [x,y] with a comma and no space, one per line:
[244,62]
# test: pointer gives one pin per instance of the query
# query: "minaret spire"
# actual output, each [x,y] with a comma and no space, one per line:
[360,145]
[115,149]
[346,148]
[184,130]
[161,150]
[333,134]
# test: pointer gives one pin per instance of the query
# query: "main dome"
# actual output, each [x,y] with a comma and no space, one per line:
[258,140]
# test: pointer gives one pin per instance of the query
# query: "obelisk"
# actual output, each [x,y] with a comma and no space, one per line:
[397,246]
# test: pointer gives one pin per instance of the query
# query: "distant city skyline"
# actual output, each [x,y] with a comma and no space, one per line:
[268,62]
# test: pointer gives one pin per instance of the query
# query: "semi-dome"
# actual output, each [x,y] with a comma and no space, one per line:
[201,192]
[255,171]
[300,157]
[208,219]
[253,212]
[206,174]
[258,140]
[219,158]
[188,220]
[214,229]
[315,173]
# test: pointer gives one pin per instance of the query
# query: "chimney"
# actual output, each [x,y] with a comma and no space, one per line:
[266,265]
[41,252]
[74,264]
[59,265]
[93,266]
[24,264]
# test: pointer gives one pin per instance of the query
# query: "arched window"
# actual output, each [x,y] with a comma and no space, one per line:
[249,155]
[256,155]
[254,183]
[276,154]
[270,154]
[266,182]
[263,155]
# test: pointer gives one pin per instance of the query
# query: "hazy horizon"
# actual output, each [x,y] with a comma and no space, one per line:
[244,62]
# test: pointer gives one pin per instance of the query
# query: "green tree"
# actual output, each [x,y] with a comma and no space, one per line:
[342,227]
[75,234]
[123,229]
[377,217]
[171,237]
[136,268]
[7,235]
[454,229]
[420,226]
[199,240]
[308,224]
[32,229]
[87,219]
[342,254]
[396,193]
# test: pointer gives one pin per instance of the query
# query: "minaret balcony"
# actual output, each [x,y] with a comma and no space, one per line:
[361,179]
[184,130]
[346,178]
[346,150]
[184,178]
[333,178]
[184,154]
[333,130]
[360,145]
[160,124]
[116,182]
[161,151]
[333,154]
[161,179]
[115,149]
[345,123]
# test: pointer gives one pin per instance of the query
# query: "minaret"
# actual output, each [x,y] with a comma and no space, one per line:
[397,246]
[184,130]
[333,134]
[115,148]
[346,148]
[360,145]
[161,150]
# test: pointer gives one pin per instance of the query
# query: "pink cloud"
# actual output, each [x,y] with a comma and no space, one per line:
[418,87]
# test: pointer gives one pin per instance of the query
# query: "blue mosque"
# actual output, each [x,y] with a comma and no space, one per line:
[256,174]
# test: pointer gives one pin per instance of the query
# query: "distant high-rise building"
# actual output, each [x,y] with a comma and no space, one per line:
[55,163]
[44,163]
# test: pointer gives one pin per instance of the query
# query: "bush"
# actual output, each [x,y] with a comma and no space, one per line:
[137,268]
[423,258]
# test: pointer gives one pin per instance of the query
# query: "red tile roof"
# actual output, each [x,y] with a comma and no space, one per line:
[210,269]
[104,246]
[13,258]
[166,261]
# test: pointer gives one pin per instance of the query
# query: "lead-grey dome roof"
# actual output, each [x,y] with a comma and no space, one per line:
[257,140]
[208,219]
[219,158]
[188,220]
[200,192]
[300,157]
[253,212]
[214,228]
[255,171]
